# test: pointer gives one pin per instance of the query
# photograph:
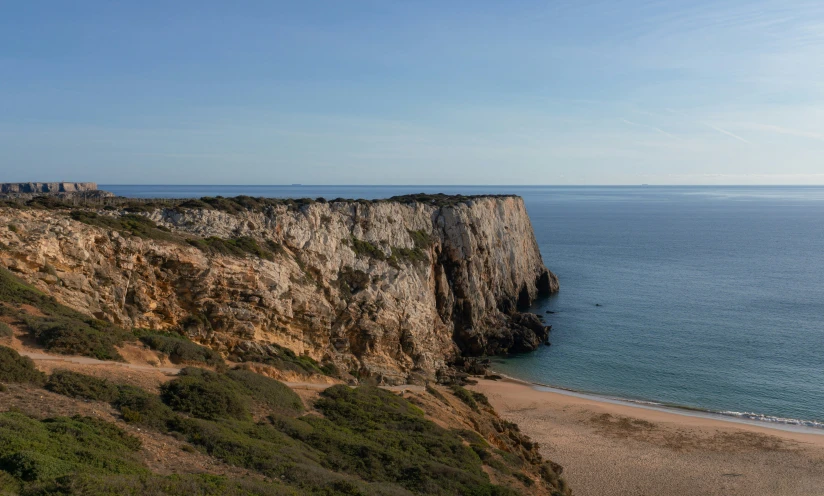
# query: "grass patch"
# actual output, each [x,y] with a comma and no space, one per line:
[18,369]
[235,247]
[179,349]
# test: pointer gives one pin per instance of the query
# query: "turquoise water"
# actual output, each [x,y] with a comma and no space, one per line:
[705,297]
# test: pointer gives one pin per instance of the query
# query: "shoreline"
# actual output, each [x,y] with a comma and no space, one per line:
[615,447]
[781,424]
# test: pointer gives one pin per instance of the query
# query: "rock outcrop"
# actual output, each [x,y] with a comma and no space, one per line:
[393,290]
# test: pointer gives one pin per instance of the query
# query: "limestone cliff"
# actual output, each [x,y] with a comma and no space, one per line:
[61,187]
[392,289]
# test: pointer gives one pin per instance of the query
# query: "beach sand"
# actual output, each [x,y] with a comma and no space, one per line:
[620,449]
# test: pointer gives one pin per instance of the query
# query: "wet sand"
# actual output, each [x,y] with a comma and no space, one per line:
[610,448]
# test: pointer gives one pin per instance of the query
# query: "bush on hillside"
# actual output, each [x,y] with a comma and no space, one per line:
[5,331]
[34,450]
[465,396]
[136,225]
[236,247]
[140,407]
[83,386]
[156,485]
[207,395]
[180,349]
[18,369]
[69,336]
[267,392]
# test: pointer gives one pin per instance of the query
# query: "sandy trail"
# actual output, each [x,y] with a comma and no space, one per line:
[171,371]
[618,449]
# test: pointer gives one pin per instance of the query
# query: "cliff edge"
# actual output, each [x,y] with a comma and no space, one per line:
[393,290]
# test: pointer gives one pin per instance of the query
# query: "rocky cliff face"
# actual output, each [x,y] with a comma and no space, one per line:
[61,187]
[390,290]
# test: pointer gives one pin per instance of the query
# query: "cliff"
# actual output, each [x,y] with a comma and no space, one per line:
[61,187]
[392,290]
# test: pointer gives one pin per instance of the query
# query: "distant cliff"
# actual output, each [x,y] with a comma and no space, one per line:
[392,290]
[61,187]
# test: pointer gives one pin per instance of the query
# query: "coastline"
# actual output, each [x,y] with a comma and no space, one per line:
[615,447]
[770,422]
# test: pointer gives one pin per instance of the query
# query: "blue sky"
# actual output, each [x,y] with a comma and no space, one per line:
[413,92]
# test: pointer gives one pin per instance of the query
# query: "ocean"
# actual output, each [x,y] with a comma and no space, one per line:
[709,298]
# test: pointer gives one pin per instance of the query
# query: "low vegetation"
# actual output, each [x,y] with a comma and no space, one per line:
[466,396]
[236,247]
[136,225]
[179,349]
[82,386]
[232,205]
[18,369]
[367,249]
[5,330]
[206,395]
[284,359]
[56,327]
[37,452]
[361,441]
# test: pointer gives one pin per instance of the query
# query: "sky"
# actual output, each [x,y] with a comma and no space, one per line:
[412,92]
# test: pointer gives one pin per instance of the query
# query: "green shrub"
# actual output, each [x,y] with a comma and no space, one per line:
[5,330]
[180,349]
[465,396]
[69,336]
[156,485]
[19,369]
[83,386]
[13,228]
[421,239]
[140,407]
[206,395]
[34,450]
[366,249]
[284,359]
[136,225]
[236,247]
[437,394]
[268,392]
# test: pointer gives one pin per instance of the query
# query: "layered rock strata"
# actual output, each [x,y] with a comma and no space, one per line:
[392,290]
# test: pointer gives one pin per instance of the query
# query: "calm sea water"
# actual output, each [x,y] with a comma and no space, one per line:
[704,297]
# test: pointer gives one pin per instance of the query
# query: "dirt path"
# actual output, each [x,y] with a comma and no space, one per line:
[86,361]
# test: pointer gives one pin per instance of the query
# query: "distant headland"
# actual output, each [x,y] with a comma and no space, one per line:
[61,189]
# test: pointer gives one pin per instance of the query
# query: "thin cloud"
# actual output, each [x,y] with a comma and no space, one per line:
[787,131]
[656,129]
[724,131]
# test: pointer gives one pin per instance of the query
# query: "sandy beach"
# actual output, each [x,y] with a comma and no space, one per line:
[621,449]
